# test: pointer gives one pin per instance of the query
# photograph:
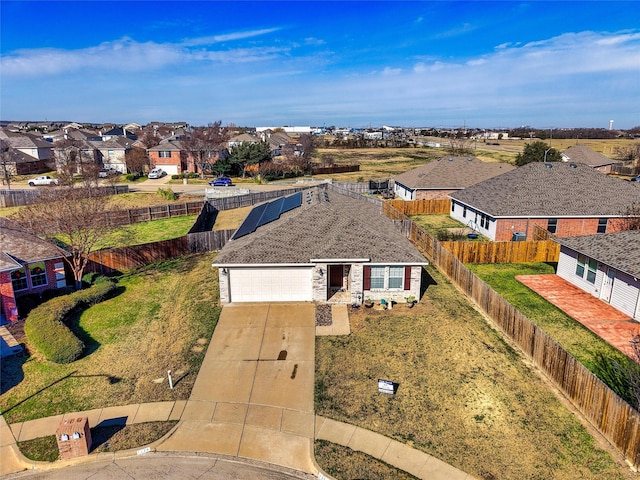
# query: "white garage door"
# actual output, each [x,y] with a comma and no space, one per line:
[270,284]
[170,169]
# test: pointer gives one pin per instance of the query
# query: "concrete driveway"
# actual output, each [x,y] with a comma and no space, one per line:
[253,396]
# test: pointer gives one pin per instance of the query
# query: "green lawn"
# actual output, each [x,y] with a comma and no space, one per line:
[576,339]
[162,319]
[147,232]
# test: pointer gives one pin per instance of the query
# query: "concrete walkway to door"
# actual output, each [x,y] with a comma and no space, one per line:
[253,397]
[613,326]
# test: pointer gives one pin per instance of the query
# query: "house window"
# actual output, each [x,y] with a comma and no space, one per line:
[582,259]
[164,154]
[377,277]
[38,274]
[396,276]
[602,225]
[110,153]
[591,271]
[552,225]
[19,279]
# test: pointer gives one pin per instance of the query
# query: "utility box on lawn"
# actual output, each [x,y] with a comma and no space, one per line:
[74,438]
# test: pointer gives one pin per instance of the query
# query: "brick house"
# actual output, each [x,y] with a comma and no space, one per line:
[567,199]
[584,155]
[319,246]
[170,156]
[437,179]
[28,265]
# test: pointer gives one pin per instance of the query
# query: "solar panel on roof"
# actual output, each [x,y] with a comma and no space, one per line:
[251,222]
[272,212]
[291,202]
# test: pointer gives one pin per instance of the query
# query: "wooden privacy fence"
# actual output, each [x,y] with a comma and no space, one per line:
[611,415]
[504,252]
[19,198]
[422,207]
[604,409]
[208,241]
[147,214]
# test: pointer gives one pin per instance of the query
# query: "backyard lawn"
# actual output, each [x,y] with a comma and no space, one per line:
[162,319]
[464,396]
[576,339]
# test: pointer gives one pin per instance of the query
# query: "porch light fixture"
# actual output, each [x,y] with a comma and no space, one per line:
[224,271]
[321,272]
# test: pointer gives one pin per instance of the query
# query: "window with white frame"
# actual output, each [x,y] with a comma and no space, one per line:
[38,274]
[591,270]
[19,279]
[377,277]
[582,259]
[396,277]
[164,154]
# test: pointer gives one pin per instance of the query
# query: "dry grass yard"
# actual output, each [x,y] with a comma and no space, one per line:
[465,395]
[162,319]
[231,219]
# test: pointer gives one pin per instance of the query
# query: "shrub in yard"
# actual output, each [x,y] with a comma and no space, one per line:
[167,193]
[45,327]
[175,177]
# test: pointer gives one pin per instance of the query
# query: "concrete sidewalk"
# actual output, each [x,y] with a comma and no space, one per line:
[253,398]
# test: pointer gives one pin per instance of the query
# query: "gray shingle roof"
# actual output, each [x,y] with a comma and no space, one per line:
[451,173]
[19,246]
[583,154]
[562,190]
[343,228]
[620,250]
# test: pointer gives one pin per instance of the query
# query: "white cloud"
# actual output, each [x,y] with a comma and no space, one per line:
[210,40]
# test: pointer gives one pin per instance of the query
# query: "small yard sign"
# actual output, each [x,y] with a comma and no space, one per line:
[387,386]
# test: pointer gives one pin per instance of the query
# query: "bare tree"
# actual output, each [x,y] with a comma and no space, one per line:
[630,154]
[151,138]
[6,163]
[73,219]
[137,160]
[205,144]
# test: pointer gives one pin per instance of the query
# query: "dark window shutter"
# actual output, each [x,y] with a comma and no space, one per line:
[367,278]
[407,278]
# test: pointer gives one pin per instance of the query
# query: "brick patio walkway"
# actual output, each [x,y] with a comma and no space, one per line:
[610,324]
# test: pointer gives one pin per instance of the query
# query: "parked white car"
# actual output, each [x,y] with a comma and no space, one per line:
[43,180]
[157,173]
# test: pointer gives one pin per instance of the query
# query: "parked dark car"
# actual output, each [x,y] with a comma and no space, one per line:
[221,182]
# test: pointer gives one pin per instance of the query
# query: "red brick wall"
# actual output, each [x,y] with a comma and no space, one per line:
[566,227]
[9,308]
[175,159]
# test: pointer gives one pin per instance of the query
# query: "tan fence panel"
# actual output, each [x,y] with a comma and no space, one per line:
[504,252]
[422,207]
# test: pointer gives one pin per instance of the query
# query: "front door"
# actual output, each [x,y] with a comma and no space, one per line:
[607,285]
[335,278]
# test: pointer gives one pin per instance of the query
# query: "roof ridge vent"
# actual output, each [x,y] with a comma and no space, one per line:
[573,165]
[548,165]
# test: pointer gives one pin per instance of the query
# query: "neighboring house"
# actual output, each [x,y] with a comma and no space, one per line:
[320,246]
[111,154]
[17,163]
[79,152]
[567,199]
[584,155]
[118,132]
[239,139]
[606,266]
[437,179]
[170,156]
[28,265]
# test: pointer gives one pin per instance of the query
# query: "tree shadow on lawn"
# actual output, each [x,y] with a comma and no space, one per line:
[11,370]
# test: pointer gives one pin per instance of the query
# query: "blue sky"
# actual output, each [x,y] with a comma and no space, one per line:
[436,63]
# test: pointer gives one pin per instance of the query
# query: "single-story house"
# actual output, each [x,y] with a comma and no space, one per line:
[437,179]
[566,199]
[318,245]
[584,155]
[606,266]
[28,265]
